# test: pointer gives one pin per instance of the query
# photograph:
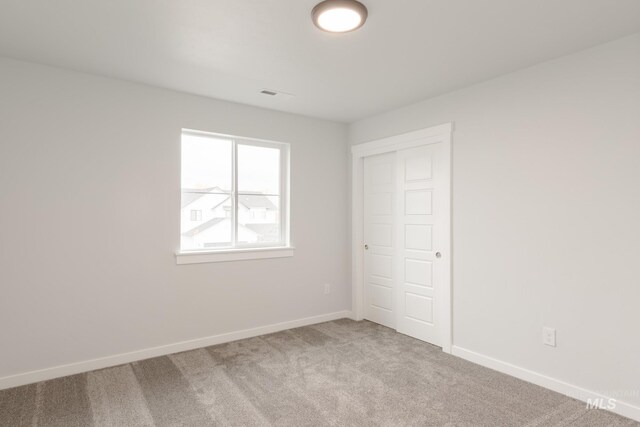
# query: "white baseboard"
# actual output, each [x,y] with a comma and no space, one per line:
[621,408]
[119,359]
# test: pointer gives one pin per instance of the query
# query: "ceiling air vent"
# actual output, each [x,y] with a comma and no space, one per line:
[277,93]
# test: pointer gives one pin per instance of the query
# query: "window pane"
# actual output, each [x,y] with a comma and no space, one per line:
[258,219]
[206,163]
[258,169]
[206,220]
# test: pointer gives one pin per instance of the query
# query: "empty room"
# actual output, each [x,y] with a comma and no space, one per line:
[319,213]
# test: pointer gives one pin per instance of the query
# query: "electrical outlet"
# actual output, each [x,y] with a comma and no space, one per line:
[549,336]
[327,288]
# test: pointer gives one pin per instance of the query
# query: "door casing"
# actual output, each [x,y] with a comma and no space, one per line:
[432,135]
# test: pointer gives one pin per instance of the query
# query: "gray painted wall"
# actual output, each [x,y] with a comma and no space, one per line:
[546,166]
[90,196]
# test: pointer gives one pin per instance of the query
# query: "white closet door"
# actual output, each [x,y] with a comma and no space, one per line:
[379,234]
[421,240]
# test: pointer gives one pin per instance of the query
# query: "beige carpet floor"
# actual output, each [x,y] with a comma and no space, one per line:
[340,373]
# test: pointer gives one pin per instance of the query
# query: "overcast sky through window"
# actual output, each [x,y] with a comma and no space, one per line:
[206,163]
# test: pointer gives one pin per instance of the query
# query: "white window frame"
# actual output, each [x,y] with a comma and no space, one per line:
[237,251]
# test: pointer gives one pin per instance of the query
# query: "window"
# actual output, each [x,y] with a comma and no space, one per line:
[234,193]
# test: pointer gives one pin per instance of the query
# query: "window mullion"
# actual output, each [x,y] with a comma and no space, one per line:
[234,192]
[283,203]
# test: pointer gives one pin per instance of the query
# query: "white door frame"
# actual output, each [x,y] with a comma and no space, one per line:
[432,135]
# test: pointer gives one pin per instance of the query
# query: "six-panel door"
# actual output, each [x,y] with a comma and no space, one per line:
[379,233]
[420,231]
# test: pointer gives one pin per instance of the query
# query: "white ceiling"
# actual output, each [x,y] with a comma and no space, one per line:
[231,49]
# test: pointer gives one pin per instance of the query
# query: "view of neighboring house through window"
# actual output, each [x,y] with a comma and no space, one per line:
[233,192]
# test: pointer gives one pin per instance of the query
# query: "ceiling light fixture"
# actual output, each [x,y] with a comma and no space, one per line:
[339,16]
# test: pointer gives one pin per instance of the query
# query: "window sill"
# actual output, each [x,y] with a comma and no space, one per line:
[224,255]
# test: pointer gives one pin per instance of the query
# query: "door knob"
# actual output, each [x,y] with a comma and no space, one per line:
[438,255]
[366,247]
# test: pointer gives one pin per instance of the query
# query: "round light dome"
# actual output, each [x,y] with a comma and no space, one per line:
[339,16]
